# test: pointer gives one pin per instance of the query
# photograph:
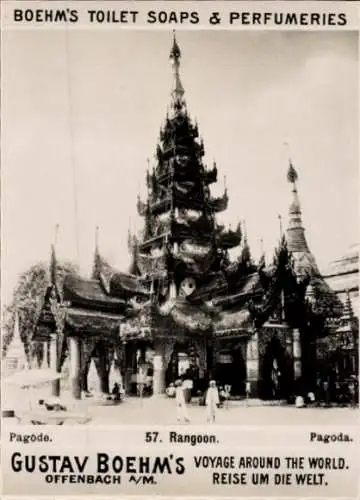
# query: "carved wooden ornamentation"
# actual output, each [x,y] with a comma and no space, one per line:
[58,311]
[169,349]
[200,348]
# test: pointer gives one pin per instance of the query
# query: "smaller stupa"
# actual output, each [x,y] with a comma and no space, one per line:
[14,361]
[15,358]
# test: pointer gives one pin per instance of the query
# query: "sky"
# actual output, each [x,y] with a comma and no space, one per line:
[82,110]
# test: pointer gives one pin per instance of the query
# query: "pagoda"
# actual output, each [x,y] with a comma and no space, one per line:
[182,248]
[185,309]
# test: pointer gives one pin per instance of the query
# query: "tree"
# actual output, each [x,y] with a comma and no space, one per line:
[27,300]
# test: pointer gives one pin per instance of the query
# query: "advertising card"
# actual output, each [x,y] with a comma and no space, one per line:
[179,249]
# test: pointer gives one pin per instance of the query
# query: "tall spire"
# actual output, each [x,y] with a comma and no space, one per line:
[97,250]
[262,259]
[97,259]
[53,261]
[245,252]
[295,232]
[178,90]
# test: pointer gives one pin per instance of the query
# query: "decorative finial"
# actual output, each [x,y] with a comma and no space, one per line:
[245,252]
[262,259]
[292,175]
[178,90]
[53,265]
[96,271]
[175,52]
[53,262]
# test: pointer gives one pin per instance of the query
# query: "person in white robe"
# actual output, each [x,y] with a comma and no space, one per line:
[181,409]
[212,401]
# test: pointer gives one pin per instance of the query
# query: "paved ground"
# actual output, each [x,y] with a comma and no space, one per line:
[161,411]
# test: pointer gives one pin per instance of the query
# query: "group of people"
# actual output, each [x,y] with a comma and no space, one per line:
[332,390]
[327,391]
[213,399]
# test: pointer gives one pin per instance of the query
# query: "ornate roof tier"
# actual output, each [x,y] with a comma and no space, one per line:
[216,285]
[191,317]
[183,169]
[149,243]
[90,295]
[156,207]
[247,286]
[228,238]
[86,322]
[232,323]
[125,286]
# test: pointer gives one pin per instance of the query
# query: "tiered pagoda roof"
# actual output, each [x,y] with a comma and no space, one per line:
[181,236]
[182,281]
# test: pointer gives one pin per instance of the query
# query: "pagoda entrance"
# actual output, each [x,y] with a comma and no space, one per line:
[184,363]
[230,367]
[137,368]
[276,377]
[100,352]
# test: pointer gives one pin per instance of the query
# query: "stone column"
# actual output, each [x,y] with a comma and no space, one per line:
[297,354]
[75,371]
[55,389]
[159,368]
[252,365]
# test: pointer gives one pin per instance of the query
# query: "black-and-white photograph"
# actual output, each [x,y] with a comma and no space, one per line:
[179,227]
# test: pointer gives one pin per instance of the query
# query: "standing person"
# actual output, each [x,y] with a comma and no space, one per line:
[212,401]
[181,410]
[247,392]
[326,389]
